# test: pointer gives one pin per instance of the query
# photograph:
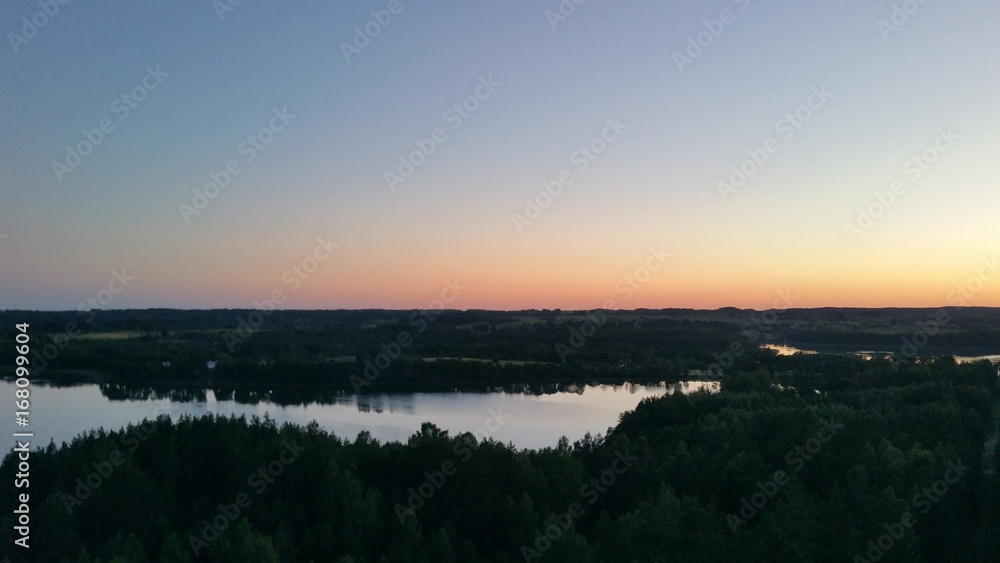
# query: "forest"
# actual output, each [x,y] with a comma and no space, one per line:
[810,458]
[367,349]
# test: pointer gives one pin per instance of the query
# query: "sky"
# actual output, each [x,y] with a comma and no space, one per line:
[530,154]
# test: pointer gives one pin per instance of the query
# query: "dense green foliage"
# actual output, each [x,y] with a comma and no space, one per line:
[446,348]
[680,469]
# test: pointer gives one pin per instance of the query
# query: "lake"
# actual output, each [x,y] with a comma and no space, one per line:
[528,420]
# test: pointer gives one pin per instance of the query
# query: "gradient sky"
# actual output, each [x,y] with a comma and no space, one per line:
[655,186]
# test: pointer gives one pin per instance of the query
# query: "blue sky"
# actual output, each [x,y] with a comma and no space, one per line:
[656,184]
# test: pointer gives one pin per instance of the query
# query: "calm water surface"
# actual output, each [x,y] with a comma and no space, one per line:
[529,421]
[784,350]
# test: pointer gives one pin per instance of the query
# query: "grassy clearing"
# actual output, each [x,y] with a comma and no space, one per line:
[118,335]
[483,360]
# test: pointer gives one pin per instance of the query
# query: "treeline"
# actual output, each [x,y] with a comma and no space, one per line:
[447,351]
[822,460]
[443,348]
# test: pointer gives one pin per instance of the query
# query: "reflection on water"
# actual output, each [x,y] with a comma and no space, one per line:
[533,416]
[869,354]
[116,392]
[784,350]
[382,403]
[995,358]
